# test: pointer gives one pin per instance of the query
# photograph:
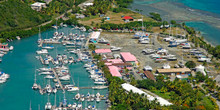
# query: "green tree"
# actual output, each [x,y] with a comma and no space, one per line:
[190,64]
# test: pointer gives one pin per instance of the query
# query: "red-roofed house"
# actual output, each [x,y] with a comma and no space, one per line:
[102,51]
[127,57]
[127,18]
[118,63]
[114,71]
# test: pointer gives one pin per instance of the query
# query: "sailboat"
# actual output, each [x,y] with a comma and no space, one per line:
[35,86]
[48,106]
[39,37]
[48,46]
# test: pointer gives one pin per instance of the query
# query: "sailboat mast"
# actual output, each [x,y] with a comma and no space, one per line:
[30,105]
[35,79]
[39,35]
[38,106]
[142,23]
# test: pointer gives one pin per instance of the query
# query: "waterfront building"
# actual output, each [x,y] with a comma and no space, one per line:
[103,51]
[114,71]
[127,57]
[38,6]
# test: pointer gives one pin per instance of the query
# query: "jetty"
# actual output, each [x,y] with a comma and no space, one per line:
[58,80]
[41,43]
[42,60]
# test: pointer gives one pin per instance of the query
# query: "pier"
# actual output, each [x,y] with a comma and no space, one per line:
[41,43]
[58,80]
[42,60]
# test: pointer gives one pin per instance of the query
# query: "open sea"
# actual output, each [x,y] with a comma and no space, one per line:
[20,64]
[210,32]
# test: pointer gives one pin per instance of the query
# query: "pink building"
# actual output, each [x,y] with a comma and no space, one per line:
[115,61]
[102,51]
[114,71]
[127,57]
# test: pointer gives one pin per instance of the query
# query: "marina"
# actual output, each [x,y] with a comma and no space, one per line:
[25,77]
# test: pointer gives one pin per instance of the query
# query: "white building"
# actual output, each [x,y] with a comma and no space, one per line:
[201,69]
[129,87]
[95,37]
[38,6]
[87,4]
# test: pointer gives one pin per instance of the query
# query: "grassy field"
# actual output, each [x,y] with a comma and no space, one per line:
[165,95]
[114,18]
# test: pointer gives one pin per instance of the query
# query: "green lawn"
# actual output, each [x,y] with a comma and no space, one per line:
[88,18]
[165,95]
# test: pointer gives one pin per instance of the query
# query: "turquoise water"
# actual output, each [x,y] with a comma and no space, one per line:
[207,30]
[210,32]
[16,93]
[205,5]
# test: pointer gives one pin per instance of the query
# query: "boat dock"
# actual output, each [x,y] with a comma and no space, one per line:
[51,42]
[41,43]
[58,80]
[42,60]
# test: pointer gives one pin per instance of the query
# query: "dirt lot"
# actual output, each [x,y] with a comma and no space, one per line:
[128,44]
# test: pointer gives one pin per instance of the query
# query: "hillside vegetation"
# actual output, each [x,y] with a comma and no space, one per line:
[16,14]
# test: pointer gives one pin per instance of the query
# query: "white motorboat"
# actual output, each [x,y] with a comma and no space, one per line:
[48,47]
[103,41]
[144,40]
[114,48]
[100,82]
[204,59]
[18,38]
[44,69]
[70,89]
[66,77]
[45,73]
[49,77]
[148,68]
[11,48]
[187,46]
[162,51]
[172,58]
[155,55]
[100,87]
[94,76]
[1,55]
[166,66]
[148,51]
[43,51]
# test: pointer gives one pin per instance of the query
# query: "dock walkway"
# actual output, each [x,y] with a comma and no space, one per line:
[58,80]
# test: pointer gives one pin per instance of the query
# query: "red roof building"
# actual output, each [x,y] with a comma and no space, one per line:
[127,18]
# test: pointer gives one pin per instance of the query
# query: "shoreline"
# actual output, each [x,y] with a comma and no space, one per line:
[181,13]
